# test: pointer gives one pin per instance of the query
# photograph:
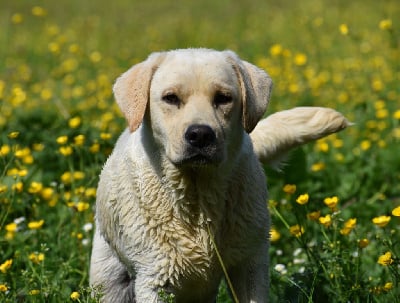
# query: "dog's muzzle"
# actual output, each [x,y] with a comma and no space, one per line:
[202,145]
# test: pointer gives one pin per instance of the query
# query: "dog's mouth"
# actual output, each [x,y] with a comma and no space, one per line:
[200,147]
[200,157]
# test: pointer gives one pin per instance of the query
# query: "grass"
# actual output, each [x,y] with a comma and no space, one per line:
[335,206]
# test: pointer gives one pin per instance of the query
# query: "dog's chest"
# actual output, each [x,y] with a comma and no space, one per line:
[179,227]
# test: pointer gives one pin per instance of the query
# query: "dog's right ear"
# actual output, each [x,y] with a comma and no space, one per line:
[132,89]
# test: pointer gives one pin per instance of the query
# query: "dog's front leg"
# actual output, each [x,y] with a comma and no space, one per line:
[108,275]
[250,279]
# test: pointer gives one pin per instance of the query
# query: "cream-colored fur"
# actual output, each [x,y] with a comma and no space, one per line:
[186,173]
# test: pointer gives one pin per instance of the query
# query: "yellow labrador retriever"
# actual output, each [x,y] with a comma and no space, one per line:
[185,182]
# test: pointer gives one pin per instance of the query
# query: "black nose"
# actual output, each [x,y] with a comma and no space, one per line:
[200,136]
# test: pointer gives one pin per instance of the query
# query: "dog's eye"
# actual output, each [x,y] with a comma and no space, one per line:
[171,98]
[222,98]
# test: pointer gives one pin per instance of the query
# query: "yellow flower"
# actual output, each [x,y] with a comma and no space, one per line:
[3,288]
[66,150]
[331,202]
[23,152]
[78,175]
[90,192]
[11,227]
[348,226]
[95,57]
[302,199]
[35,224]
[385,24]
[47,193]
[38,11]
[318,166]
[363,243]
[388,286]
[75,295]
[66,178]
[18,187]
[381,221]
[323,146]
[344,29]
[300,59]
[74,122]
[296,230]
[3,188]
[94,148]
[326,220]
[276,50]
[34,292]
[82,206]
[79,140]
[46,94]
[4,150]
[365,145]
[13,135]
[314,215]
[274,235]
[385,259]
[17,18]
[351,223]
[62,140]
[396,211]
[6,266]
[35,187]
[396,114]
[36,257]
[105,136]
[289,189]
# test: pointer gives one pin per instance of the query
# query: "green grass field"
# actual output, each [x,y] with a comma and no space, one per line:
[335,207]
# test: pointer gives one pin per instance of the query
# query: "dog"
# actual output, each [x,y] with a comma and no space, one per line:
[181,201]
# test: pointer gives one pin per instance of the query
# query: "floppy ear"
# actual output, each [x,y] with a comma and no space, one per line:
[256,86]
[132,88]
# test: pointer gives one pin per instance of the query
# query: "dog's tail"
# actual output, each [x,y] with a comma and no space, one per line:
[275,135]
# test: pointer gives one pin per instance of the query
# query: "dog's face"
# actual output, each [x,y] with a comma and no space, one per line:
[195,107]
[199,102]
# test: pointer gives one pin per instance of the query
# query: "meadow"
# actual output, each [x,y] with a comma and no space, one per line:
[335,206]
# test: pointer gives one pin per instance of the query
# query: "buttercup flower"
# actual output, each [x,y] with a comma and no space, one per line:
[6,266]
[381,221]
[385,259]
[344,29]
[36,257]
[348,226]
[326,220]
[385,24]
[3,288]
[274,235]
[314,215]
[75,295]
[396,211]
[35,224]
[74,122]
[331,202]
[318,166]
[296,230]
[62,140]
[302,199]
[300,59]
[65,150]
[35,187]
[363,243]
[34,292]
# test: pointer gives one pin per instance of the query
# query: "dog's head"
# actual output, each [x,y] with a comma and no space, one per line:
[197,102]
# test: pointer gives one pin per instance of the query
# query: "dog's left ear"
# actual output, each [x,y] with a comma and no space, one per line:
[132,88]
[256,86]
